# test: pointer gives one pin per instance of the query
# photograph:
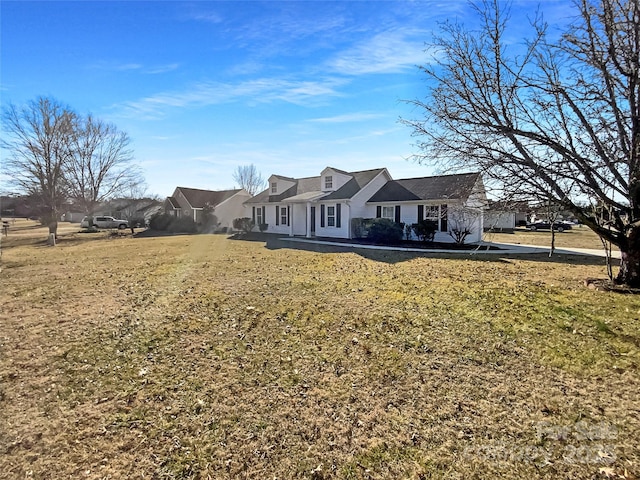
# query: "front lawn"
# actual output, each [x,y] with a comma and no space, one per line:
[205,357]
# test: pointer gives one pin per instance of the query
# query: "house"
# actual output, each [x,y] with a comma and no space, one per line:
[324,206]
[191,202]
[505,215]
[316,206]
[451,201]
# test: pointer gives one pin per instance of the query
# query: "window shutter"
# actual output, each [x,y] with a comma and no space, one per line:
[378,211]
[264,216]
[253,214]
[443,218]
[397,213]
[338,214]
[288,215]
[322,215]
[277,215]
[420,213]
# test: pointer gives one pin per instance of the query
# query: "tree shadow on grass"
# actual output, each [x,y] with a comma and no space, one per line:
[275,242]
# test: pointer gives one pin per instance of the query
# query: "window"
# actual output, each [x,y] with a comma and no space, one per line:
[432,212]
[331,216]
[388,212]
[328,182]
[274,187]
[438,214]
[259,220]
[283,215]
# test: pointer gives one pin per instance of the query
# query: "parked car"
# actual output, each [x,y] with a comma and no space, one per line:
[544,225]
[104,222]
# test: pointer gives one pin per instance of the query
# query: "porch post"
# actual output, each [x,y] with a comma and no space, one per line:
[290,211]
[308,220]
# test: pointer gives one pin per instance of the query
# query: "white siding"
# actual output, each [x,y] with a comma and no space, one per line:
[337,179]
[232,208]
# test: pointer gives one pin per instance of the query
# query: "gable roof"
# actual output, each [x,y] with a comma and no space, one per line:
[311,187]
[199,198]
[353,186]
[173,202]
[443,187]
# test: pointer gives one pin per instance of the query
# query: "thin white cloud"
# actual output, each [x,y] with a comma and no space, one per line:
[161,68]
[348,118]
[392,51]
[138,67]
[264,90]
[207,17]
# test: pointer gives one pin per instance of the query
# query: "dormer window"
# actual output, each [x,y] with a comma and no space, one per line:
[328,182]
[274,187]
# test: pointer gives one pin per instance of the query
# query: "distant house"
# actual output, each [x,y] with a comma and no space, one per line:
[324,205]
[505,215]
[190,202]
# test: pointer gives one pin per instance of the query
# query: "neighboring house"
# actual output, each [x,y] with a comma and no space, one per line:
[71,216]
[323,206]
[190,202]
[452,201]
[505,215]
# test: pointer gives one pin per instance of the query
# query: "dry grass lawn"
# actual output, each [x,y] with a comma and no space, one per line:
[578,237]
[205,357]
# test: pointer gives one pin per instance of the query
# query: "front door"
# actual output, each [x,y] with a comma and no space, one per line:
[313,220]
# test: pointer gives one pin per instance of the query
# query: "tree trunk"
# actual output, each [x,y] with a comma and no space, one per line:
[53,227]
[629,273]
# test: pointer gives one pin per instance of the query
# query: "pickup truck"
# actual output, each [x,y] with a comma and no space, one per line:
[104,222]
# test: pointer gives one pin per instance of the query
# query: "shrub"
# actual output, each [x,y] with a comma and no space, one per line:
[161,222]
[408,230]
[244,224]
[383,230]
[425,230]
[137,222]
[263,227]
[168,223]
[183,225]
[358,229]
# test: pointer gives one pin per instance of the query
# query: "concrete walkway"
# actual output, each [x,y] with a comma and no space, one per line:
[504,248]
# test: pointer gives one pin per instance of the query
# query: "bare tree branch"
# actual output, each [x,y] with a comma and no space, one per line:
[549,117]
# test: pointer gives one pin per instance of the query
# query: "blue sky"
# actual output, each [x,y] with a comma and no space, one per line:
[202,87]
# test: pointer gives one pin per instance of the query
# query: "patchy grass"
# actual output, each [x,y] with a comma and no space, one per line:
[578,237]
[202,357]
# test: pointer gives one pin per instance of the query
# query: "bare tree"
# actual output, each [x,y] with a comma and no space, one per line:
[552,115]
[55,155]
[100,165]
[462,223]
[248,177]
[36,139]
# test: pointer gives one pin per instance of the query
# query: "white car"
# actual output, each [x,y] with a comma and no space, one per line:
[104,222]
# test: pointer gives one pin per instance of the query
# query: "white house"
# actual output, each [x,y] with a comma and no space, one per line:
[323,206]
[452,201]
[316,206]
[227,204]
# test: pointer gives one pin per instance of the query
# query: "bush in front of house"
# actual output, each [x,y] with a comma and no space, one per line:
[425,230]
[183,225]
[384,230]
[161,222]
[244,224]
[168,223]
[358,228]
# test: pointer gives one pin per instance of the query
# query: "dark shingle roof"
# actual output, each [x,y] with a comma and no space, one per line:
[444,187]
[198,198]
[313,184]
[173,202]
[353,186]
